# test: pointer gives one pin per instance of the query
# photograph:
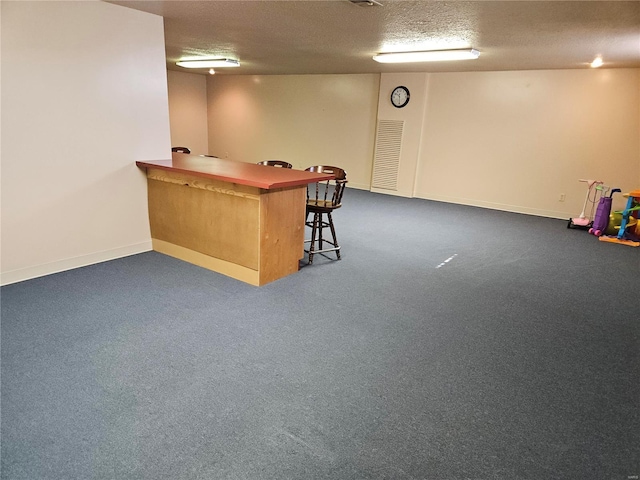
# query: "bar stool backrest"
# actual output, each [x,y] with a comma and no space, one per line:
[276,163]
[180,150]
[327,194]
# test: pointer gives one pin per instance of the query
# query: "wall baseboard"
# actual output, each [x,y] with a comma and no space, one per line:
[395,193]
[22,274]
[495,206]
[359,186]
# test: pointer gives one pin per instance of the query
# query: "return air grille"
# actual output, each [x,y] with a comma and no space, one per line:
[387,157]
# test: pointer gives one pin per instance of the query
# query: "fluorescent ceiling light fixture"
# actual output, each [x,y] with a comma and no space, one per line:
[427,56]
[211,63]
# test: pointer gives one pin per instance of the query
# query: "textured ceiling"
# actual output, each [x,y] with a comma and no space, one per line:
[336,36]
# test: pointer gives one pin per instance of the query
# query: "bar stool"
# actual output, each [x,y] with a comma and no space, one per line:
[276,163]
[322,199]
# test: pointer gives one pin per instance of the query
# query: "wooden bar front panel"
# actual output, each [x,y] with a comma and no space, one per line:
[207,222]
[249,233]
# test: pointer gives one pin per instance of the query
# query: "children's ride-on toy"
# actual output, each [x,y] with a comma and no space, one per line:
[593,193]
[627,232]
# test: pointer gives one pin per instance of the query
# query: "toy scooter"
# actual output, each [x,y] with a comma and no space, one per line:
[583,222]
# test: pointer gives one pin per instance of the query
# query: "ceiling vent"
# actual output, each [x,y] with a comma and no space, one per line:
[366,3]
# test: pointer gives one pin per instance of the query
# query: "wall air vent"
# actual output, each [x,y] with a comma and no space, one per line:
[386,162]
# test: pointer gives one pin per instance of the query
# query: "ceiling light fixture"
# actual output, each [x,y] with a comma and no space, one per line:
[597,62]
[427,56]
[212,71]
[211,63]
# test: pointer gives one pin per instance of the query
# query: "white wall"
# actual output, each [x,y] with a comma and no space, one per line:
[84,95]
[302,119]
[518,140]
[188,111]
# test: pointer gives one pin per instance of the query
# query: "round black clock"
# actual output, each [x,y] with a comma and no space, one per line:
[400,97]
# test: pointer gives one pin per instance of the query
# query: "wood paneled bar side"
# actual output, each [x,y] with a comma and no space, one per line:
[243,220]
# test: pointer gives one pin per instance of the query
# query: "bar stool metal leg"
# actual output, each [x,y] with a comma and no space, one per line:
[317,218]
[333,234]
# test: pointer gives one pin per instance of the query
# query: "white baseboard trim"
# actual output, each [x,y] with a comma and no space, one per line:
[495,206]
[22,274]
[394,193]
[359,186]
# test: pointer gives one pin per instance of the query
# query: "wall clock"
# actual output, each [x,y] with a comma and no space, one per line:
[400,97]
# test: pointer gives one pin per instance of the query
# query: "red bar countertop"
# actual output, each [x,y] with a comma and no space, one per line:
[242,173]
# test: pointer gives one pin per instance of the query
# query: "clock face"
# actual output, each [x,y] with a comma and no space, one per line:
[400,96]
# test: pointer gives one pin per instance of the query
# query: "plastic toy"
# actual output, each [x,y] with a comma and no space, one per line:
[627,232]
[601,220]
[615,219]
[583,221]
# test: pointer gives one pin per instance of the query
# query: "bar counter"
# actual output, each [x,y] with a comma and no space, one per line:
[243,220]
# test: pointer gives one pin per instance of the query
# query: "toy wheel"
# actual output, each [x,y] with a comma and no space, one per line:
[569,224]
[597,233]
[592,232]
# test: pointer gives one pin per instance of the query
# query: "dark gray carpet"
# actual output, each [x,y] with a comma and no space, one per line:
[517,358]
